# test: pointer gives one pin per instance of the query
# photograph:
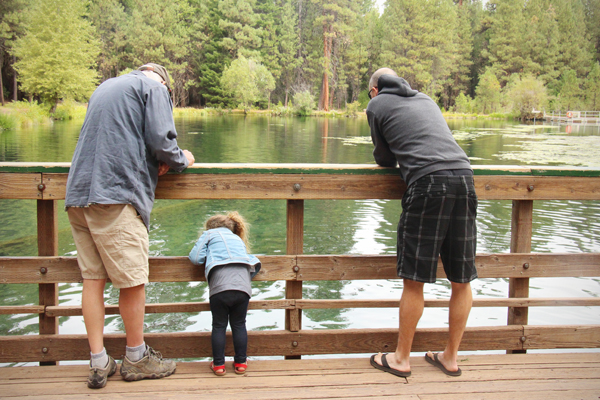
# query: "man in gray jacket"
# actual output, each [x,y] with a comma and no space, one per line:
[439,209]
[127,140]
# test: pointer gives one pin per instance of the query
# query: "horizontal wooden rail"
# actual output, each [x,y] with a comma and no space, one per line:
[312,182]
[30,348]
[311,268]
[292,304]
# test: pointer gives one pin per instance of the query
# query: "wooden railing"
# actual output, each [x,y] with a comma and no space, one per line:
[45,182]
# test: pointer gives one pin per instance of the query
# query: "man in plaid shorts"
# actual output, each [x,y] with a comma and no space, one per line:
[439,209]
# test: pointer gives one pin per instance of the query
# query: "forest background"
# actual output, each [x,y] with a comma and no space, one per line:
[468,55]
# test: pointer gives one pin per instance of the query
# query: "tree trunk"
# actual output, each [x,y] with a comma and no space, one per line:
[324,98]
[15,88]
[1,83]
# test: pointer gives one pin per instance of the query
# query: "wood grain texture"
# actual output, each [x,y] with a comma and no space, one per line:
[20,186]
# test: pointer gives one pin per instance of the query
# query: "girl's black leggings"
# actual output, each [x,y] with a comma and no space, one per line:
[229,306]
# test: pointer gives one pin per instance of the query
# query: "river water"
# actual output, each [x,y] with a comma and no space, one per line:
[331,227]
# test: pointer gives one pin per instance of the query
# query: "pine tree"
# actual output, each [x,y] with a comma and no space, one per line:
[488,92]
[157,34]
[419,43]
[542,45]
[56,57]
[336,18]
[592,88]
[110,20]
[507,37]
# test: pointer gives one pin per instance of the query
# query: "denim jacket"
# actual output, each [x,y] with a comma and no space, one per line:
[220,246]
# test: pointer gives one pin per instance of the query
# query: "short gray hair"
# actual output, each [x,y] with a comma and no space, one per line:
[378,73]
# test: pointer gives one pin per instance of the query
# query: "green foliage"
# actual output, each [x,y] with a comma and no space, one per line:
[69,109]
[419,41]
[352,109]
[570,93]
[328,48]
[592,88]
[57,55]
[529,96]
[7,122]
[488,92]
[248,81]
[464,104]
[304,103]
[27,113]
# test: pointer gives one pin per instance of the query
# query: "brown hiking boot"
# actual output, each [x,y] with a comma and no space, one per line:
[152,366]
[99,376]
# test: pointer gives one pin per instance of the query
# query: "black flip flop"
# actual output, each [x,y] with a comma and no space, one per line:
[386,367]
[435,362]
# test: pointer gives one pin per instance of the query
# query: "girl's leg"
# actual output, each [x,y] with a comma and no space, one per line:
[237,321]
[219,311]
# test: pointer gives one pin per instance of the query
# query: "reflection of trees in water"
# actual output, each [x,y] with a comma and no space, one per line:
[325,290]
[18,295]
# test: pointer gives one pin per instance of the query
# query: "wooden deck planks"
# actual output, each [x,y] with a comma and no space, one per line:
[499,376]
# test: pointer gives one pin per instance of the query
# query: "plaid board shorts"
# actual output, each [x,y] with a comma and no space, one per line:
[112,242]
[438,219]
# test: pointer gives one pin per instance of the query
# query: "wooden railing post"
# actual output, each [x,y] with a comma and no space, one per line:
[295,242]
[47,233]
[520,242]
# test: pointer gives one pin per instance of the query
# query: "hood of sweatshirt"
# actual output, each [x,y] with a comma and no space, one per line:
[390,84]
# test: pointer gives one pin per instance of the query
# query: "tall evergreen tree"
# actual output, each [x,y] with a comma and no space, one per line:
[507,36]
[542,45]
[157,34]
[592,88]
[11,27]
[110,20]
[575,48]
[419,43]
[336,18]
[57,55]
[460,67]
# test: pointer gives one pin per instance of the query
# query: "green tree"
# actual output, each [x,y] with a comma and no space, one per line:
[337,16]
[488,92]
[419,41]
[592,88]
[507,36]
[159,35]
[239,22]
[57,55]
[542,44]
[110,20]
[11,28]
[528,94]
[248,81]
[460,66]
[570,92]
[575,48]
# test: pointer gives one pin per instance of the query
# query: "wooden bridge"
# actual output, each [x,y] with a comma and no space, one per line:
[489,376]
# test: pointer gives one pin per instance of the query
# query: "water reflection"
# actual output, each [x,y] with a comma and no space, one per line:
[331,227]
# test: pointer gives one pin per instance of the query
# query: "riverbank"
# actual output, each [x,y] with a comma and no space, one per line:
[22,113]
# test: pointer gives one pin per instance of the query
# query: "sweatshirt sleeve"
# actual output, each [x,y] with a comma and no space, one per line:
[198,254]
[160,133]
[382,153]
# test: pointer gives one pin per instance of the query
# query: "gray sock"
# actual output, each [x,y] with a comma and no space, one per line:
[100,360]
[135,354]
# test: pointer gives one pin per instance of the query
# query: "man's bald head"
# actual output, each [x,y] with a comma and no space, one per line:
[378,73]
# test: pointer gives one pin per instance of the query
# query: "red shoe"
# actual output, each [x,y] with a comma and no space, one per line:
[240,369]
[219,370]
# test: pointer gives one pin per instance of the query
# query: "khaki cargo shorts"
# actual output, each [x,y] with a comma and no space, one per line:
[112,242]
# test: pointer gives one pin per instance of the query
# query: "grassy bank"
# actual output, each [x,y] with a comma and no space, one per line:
[23,113]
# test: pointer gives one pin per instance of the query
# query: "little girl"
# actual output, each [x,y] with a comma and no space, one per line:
[223,248]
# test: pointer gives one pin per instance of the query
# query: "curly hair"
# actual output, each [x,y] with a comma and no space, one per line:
[232,221]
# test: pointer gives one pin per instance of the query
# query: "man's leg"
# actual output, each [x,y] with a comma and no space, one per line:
[411,310]
[460,307]
[132,305]
[92,304]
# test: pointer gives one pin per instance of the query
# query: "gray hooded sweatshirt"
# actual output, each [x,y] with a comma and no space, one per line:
[408,128]
[128,129]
